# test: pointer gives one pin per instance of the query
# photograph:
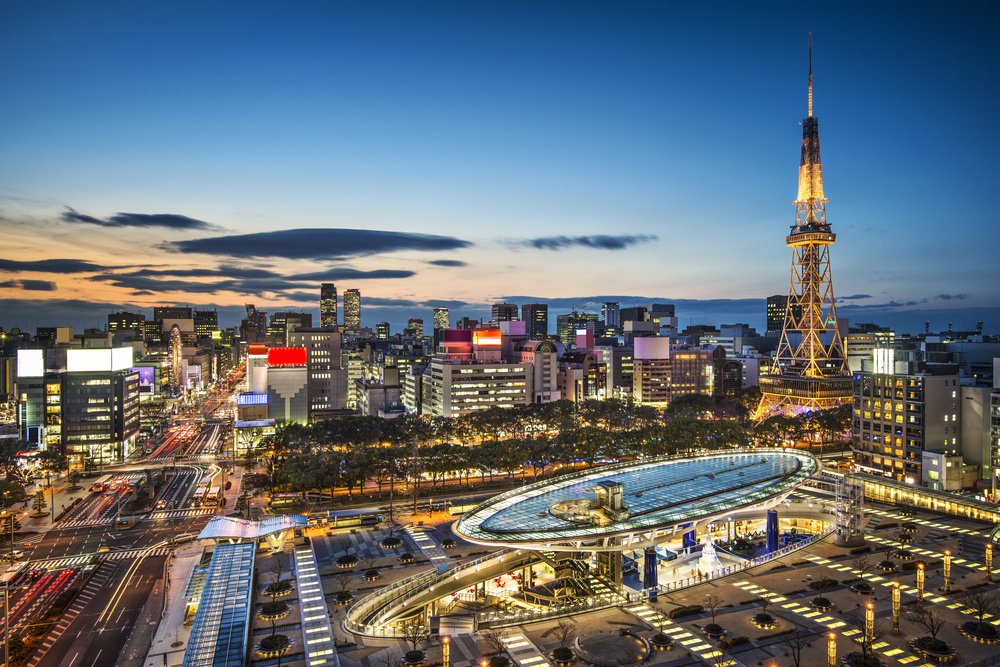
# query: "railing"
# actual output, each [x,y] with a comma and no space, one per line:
[687,582]
[369,616]
[497,619]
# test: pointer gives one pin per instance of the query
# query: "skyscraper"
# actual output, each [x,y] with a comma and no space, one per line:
[328,305]
[611,316]
[382,331]
[567,325]
[504,312]
[442,320]
[352,309]
[536,319]
[205,322]
[810,368]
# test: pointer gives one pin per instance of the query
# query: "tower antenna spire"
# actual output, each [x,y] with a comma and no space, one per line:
[810,75]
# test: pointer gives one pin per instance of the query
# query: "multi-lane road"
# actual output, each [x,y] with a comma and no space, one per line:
[114,569]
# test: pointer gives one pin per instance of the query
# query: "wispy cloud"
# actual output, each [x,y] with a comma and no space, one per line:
[597,241]
[447,262]
[854,297]
[952,297]
[166,220]
[318,244]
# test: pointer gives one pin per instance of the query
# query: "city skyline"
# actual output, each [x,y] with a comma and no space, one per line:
[586,164]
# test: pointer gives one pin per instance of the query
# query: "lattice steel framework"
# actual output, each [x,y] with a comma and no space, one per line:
[810,367]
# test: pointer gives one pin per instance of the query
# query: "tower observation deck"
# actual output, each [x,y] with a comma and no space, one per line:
[810,367]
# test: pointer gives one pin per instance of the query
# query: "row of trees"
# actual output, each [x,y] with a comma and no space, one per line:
[346,453]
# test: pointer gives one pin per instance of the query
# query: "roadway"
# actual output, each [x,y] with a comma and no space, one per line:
[97,635]
[95,627]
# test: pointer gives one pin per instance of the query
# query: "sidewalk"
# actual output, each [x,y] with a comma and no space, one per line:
[63,498]
[168,644]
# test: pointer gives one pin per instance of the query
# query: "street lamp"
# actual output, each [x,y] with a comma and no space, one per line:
[989,562]
[895,607]
[446,652]
[947,571]
[869,622]
[831,650]
[920,582]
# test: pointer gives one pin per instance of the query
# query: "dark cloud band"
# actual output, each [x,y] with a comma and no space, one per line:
[597,241]
[166,220]
[316,244]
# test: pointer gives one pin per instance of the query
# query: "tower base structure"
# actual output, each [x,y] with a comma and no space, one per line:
[790,395]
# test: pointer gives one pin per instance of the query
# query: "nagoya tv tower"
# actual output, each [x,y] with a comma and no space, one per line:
[810,367]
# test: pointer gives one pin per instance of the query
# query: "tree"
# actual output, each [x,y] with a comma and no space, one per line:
[414,633]
[496,639]
[39,505]
[867,655]
[712,602]
[564,631]
[982,604]
[928,618]
[794,645]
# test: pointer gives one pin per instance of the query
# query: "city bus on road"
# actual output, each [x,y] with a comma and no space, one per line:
[364,516]
[199,497]
[212,497]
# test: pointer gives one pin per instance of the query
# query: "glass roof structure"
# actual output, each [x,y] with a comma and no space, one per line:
[655,494]
[222,623]
[230,528]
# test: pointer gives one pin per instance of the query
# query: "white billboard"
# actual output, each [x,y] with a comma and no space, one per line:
[30,363]
[99,360]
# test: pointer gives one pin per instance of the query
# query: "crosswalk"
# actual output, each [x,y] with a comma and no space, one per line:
[80,561]
[657,620]
[85,523]
[97,581]
[173,514]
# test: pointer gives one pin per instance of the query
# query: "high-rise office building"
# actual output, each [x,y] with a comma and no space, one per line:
[124,321]
[352,309]
[611,314]
[504,312]
[328,305]
[205,322]
[382,331]
[810,367]
[536,319]
[441,318]
[567,324]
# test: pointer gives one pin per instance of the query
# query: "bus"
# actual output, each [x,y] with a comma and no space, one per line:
[364,516]
[101,485]
[199,497]
[212,497]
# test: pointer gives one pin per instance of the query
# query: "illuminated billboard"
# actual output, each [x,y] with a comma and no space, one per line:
[486,337]
[249,398]
[30,363]
[147,376]
[100,360]
[257,350]
[286,356]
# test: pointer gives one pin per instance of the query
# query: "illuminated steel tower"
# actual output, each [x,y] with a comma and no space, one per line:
[810,368]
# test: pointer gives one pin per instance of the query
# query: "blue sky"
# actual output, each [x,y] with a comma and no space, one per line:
[670,128]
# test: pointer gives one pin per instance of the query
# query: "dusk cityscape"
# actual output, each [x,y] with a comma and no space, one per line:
[499,334]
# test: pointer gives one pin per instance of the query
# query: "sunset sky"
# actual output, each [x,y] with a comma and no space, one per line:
[220,153]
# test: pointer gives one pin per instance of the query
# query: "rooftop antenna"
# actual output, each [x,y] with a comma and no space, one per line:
[810,75]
